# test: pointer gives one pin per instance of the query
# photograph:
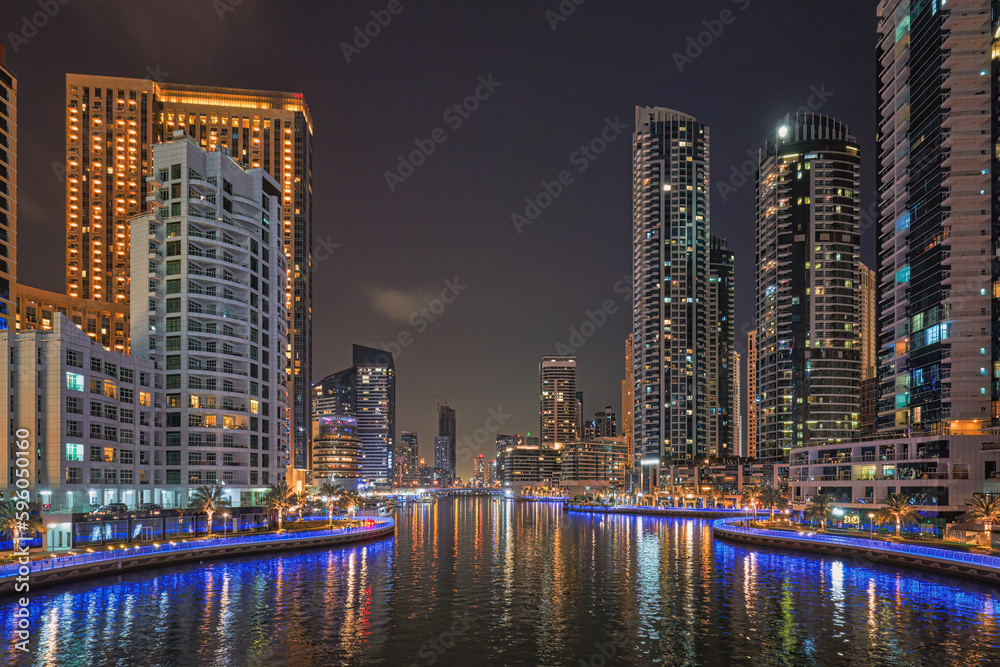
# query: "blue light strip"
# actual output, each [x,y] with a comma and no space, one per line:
[979,560]
[9,571]
[694,511]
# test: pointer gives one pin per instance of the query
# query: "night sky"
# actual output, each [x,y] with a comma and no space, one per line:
[392,251]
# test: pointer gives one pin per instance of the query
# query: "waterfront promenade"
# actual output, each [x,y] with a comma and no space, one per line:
[70,568]
[641,510]
[946,561]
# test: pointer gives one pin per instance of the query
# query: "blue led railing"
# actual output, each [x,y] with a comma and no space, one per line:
[947,555]
[62,562]
[691,510]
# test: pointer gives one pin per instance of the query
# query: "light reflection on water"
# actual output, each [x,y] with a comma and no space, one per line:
[539,587]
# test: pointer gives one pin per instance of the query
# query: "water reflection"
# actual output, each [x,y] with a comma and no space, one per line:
[540,587]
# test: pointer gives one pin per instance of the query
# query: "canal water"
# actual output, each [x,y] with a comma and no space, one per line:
[481,582]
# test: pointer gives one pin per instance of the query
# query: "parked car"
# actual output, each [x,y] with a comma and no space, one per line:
[150,507]
[111,508]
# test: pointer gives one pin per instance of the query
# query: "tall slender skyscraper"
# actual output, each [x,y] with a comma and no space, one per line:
[939,128]
[808,320]
[751,448]
[444,444]
[869,382]
[628,403]
[721,339]
[111,126]
[557,401]
[376,413]
[737,405]
[8,194]
[408,460]
[670,236]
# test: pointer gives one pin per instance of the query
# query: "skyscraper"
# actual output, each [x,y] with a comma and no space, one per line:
[337,394]
[670,237]
[444,444]
[112,124]
[376,413]
[939,125]
[408,460]
[721,339]
[8,194]
[557,401]
[479,471]
[207,305]
[938,116]
[579,413]
[737,405]
[752,401]
[869,380]
[627,398]
[336,450]
[808,321]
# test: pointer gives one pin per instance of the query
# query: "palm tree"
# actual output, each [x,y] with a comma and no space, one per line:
[209,499]
[984,509]
[277,499]
[819,509]
[329,495]
[772,498]
[897,508]
[14,522]
[716,495]
[749,494]
[349,500]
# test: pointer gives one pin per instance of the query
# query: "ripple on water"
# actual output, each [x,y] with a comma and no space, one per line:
[481,582]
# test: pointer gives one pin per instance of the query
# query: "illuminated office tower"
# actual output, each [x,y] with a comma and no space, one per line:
[207,300]
[112,124]
[721,340]
[8,194]
[376,412]
[869,381]
[751,448]
[808,319]
[557,401]
[627,397]
[670,249]
[444,443]
[336,451]
[737,372]
[407,460]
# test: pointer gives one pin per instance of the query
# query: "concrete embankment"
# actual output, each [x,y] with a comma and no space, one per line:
[72,568]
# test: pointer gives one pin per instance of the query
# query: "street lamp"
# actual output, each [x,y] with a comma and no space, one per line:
[225,525]
[871,525]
